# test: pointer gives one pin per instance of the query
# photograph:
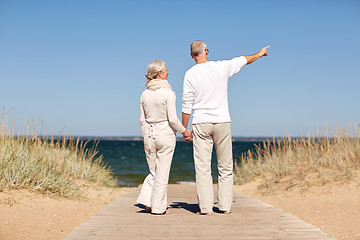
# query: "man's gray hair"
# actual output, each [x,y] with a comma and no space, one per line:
[153,69]
[197,48]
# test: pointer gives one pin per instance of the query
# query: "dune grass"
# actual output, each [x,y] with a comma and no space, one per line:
[49,165]
[327,156]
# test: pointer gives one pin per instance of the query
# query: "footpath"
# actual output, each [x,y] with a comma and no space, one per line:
[250,219]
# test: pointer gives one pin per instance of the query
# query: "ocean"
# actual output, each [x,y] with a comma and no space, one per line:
[126,159]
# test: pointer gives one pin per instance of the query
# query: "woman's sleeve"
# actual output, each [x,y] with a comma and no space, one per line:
[171,113]
[142,118]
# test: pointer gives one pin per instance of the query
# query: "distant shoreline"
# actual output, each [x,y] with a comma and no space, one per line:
[235,139]
[180,139]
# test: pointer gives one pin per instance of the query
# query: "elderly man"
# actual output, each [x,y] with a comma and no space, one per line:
[205,93]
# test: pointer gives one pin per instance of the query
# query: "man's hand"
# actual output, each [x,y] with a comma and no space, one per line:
[187,135]
[263,52]
[251,58]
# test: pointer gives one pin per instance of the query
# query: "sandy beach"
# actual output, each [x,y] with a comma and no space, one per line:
[335,208]
[28,215]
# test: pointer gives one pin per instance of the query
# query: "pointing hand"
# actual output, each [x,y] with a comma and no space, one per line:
[263,51]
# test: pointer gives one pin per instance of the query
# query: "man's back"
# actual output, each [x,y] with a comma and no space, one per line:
[205,90]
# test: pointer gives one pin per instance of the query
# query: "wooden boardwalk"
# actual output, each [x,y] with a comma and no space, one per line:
[251,219]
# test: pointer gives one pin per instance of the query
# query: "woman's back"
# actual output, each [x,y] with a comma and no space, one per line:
[154,104]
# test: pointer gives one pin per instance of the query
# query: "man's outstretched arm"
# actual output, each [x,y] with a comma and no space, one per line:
[254,57]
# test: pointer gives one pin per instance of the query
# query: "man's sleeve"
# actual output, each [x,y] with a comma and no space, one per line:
[188,96]
[234,65]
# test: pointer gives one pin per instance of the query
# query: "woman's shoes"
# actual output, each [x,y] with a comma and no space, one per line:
[164,213]
[148,210]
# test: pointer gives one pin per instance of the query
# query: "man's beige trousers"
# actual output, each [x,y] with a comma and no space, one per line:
[205,135]
[159,146]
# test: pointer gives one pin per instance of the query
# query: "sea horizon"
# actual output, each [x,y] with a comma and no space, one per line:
[138,138]
[126,158]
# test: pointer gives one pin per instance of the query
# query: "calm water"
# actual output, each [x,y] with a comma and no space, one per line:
[127,160]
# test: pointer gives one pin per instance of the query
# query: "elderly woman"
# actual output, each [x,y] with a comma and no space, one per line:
[159,124]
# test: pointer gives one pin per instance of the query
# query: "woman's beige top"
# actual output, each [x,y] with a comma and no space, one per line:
[157,108]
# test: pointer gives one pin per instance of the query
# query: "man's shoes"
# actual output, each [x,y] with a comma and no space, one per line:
[225,212]
[206,214]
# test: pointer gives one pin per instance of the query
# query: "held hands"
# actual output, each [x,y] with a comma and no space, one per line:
[187,135]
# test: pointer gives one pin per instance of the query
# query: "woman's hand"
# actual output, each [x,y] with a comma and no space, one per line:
[187,134]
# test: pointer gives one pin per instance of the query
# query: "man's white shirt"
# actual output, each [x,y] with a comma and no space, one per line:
[205,90]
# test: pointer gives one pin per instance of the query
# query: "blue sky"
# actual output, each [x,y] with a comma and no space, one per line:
[80,65]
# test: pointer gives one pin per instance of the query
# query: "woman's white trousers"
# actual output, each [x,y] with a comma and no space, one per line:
[159,146]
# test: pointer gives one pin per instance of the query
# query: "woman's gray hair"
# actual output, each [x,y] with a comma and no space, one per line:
[196,48]
[154,68]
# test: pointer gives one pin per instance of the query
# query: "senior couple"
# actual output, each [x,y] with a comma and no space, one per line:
[204,94]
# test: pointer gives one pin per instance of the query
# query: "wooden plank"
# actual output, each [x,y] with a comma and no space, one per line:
[251,219]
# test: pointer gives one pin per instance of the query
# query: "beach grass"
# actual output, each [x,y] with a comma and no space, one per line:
[49,165]
[326,156]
